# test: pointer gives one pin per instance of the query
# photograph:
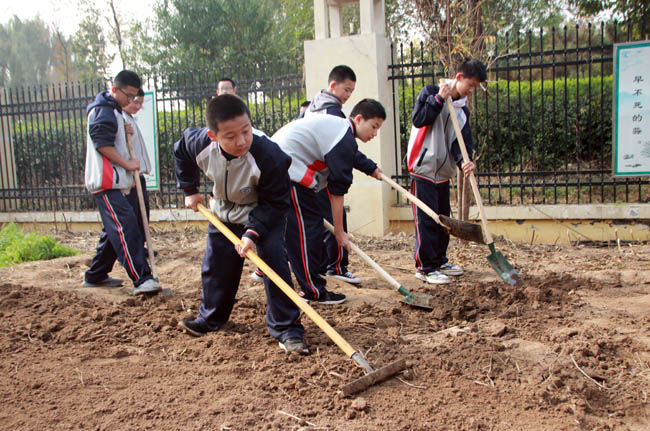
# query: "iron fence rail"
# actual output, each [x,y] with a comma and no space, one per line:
[46,126]
[542,130]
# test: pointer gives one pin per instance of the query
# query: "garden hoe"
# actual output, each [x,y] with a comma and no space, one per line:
[372,376]
[143,213]
[457,228]
[496,259]
[420,300]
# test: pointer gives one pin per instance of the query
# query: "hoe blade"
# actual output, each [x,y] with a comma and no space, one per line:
[502,267]
[373,377]
[463,230]
[420,300]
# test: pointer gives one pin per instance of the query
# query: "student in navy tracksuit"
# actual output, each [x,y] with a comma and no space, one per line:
[433,157]
[251,196]
[342,81]
[109,177]
[322,150]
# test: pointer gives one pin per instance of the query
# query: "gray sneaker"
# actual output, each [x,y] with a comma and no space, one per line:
[149,286]
[294,345]
[434,277]
[347,277]
[107,282]
[450,269]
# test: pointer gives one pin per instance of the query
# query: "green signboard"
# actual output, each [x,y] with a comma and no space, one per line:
[631,114]
[146,119]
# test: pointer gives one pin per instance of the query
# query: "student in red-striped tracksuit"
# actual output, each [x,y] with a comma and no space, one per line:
[433,155]
[322,150]
[342,81]
[109,177]
[251,196]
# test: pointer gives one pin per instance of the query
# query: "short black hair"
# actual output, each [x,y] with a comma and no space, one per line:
[305,104]
[127,78]
[369,109]
[341,73]
[227,79]
[223,108]
[140,92]
[473,68]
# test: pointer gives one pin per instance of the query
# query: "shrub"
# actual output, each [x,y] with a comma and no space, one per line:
[18,247]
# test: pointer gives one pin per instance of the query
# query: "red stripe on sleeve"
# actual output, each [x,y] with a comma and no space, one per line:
[417,147]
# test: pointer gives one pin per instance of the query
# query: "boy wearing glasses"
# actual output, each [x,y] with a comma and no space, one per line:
[109,178]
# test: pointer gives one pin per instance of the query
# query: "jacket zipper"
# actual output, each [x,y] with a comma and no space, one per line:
[117,175]
[225,187]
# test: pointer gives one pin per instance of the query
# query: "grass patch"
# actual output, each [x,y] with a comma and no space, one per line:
[17,246]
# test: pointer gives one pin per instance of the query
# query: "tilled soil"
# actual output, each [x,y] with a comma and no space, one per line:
[568,348]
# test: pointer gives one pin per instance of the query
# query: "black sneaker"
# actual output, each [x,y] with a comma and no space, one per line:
[294,345]
[192,327]
[107,282]
[326,298]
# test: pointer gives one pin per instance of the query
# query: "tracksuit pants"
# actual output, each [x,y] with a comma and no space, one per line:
[221,272]
[120,239]
[336,257]
[304,239]
[431,239]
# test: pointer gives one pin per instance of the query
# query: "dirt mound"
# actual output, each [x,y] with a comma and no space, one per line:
[566,349]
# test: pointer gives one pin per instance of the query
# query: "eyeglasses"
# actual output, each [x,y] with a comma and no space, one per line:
[129,98]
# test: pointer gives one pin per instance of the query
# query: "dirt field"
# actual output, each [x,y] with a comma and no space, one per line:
[568,349]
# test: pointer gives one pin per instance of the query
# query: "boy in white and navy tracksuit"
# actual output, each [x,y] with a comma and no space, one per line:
[109,177]
[433,156]
[336,262]
[251,196]
[323,149]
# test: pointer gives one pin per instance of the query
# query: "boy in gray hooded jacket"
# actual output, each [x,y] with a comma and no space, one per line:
[433,155]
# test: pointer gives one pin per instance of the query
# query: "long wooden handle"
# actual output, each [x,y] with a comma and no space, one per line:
[472,178]
[143,209]
[386,276]
[301,303]
[424,207]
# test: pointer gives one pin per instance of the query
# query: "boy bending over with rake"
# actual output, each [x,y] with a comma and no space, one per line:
[251,197]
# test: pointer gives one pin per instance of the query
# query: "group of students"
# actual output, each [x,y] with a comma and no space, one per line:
[273,192]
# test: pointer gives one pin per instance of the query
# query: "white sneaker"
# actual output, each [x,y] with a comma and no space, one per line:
[149,286]
[434,277]
[256,277]
[450,269]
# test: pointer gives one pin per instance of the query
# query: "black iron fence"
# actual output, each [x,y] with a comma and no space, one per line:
[43,168]
[543,129]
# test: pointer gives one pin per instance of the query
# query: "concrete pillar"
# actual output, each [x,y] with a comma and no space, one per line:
[368,54]
[7,163]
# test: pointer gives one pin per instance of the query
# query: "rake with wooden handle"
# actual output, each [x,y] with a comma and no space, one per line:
[420,300]
[372,375]
[458,228]
[143,210]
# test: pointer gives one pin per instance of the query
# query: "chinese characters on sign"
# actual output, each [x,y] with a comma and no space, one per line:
[146,119]
[631,109]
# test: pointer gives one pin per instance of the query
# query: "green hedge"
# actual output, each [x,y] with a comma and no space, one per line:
[545,127]
[505,139]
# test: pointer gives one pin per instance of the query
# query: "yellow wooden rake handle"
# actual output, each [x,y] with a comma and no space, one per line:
[301,303]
